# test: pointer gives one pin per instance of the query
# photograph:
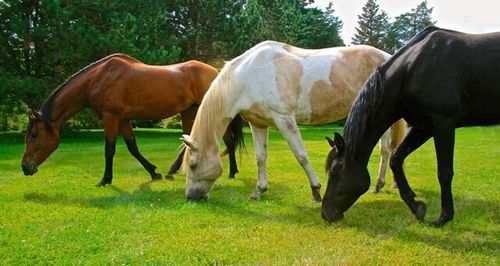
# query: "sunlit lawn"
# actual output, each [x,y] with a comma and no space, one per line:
[58,217]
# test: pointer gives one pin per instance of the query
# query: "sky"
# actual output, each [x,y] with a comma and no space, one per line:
[477,16]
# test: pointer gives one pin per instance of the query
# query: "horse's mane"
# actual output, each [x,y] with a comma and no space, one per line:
[47,106]
[210,110]
[371,97]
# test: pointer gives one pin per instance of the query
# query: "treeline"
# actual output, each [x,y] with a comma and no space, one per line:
[44,42]
[376,29]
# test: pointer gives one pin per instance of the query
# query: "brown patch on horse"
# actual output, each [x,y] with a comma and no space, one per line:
[332,100]
[304,53]
[259,115]
[288,74]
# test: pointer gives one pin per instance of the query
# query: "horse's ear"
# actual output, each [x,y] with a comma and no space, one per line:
[34,114]
[338,142]
[330,141]
[190,142]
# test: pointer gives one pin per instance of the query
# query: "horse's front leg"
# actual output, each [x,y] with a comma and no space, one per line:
[260,136]
[110,132]
[411,142]
[444,141]
[129,137]
[288,127]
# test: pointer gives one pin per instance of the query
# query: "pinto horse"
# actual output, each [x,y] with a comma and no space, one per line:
[275,84]
[439,81]
[119,88]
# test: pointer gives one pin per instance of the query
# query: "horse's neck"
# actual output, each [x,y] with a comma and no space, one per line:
[68,102]
[361,139]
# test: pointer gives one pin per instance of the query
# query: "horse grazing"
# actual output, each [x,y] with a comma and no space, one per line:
[275,84]
[119,88]
[439,81]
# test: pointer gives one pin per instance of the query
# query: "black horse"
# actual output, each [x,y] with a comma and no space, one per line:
[439,81]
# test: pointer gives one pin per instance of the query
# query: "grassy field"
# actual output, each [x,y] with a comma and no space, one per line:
[58,217]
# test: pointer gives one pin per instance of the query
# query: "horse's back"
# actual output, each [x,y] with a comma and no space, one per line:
[456,75]
[317,85]
[139,91]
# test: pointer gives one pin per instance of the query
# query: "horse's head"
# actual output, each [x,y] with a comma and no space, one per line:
[40,143]
[345,184]
[202,167]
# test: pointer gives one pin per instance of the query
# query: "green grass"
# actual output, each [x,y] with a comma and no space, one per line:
[58,217]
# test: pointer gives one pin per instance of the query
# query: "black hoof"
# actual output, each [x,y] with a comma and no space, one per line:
[316,195]
[169,177]
[420,210]
[156,176]
[377,189]
[441,221]
[103,183]
[232,175]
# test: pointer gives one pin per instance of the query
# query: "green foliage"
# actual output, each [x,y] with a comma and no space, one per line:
[58,217]
[375,29]
[373,26]
[42,42]
[409,24]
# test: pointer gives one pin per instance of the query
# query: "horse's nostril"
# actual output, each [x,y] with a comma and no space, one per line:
[25,169]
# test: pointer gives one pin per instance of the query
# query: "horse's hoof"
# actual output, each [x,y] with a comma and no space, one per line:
[255,196]
[442,220]
[232,175]
[420,210]
[169,177]
[316,195]
[103,184]
[156,176]
[316,198]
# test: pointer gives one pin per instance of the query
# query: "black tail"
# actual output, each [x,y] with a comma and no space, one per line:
[235,130]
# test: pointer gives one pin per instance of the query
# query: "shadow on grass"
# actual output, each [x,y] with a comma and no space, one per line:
[227,198]
[392,219]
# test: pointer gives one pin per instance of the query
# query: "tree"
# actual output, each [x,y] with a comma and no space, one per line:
[409,24]
[43,42]
[373,25]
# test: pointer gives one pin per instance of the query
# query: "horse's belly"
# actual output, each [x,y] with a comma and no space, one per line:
[258,115]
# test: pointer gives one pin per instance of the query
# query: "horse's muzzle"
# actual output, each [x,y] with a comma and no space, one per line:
[29,168]
[196,195]
[336,216]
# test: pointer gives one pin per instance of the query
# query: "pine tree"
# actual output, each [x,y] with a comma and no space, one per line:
[409,24]
[373,25]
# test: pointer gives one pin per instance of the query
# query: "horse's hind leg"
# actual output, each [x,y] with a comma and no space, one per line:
[110,132]
[411,142]
[260,136]
[187,118]
[444,141]
[230,143]
[385,152]
[129,137]
[176,165]
[288,127]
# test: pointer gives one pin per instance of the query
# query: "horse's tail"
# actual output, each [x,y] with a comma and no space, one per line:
[398,132]
[235,130]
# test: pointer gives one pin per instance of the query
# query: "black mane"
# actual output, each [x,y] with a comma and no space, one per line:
[46,110]
[372,95]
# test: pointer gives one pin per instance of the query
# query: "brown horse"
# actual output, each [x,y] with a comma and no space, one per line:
[119,88]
